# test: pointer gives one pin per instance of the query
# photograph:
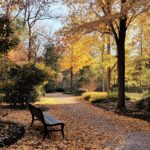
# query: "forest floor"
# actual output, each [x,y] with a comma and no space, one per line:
[87,127]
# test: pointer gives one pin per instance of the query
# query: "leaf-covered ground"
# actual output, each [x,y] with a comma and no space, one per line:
[86,127]
[10,132]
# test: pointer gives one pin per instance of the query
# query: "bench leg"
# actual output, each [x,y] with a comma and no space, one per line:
[32,120]
[62,130]
[45,133]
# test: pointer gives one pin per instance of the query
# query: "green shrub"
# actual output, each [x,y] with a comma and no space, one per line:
[144,103]
[40,89]
[98,97]
[80,91]
[22,83]
[86,95]
[146,93]
[60,89]
[140,104]
[49,88]
[113,96]
[95,97]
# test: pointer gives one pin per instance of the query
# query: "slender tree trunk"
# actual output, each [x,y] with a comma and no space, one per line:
[108,79]
[71,72]
[4,67]
[103,80]
[30,44]
[108,69]
[114,80]
[141,55]
[103,73]
[71,80]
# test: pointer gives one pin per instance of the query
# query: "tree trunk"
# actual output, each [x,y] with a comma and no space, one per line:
[108,79]
[108,69]
[121,76]
[30,45]
[71,72]
[103,73]
[141,55]
[121,63]
[103,79]
[71,80]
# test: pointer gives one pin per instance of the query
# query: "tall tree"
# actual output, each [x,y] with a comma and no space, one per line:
[77,54]
[108,17]
[51,56]
[137,53]
[33,12]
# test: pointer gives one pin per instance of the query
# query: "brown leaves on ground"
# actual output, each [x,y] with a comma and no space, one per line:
[86,128]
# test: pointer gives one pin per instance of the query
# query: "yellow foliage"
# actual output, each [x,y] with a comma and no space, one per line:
[79,53]
[48,70]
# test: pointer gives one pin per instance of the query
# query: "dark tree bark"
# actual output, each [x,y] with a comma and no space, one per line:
[71,72]
[71,80]
[121,62]
[120,42]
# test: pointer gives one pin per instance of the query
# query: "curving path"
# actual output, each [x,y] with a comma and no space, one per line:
[86,128]
[122,132]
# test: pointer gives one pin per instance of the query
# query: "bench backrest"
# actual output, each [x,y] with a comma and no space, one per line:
[37,112]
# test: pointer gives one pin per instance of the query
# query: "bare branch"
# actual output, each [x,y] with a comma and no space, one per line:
[113,66]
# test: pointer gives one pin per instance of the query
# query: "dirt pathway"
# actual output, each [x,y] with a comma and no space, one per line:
[86,128]
[127,132]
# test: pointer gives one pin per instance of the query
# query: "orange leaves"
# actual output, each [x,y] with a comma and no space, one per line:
[18,55]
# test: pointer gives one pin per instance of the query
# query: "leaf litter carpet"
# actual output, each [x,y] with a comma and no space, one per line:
[86,128]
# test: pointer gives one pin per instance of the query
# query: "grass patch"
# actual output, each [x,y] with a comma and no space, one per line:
[98,97]
[95,97]
[56,101]
[134,96]
[46,101]
[113,96]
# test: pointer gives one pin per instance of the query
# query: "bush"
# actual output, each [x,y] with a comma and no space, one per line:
[113,96]
[21,85]
[40,89]
[98,97]
[140,104]
[86,95]
[50,86]
[146,93]
[59,89]
[95,97]
[80,91]
[144,103]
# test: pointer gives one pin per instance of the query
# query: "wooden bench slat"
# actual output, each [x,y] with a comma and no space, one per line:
[51,119]
[46,119]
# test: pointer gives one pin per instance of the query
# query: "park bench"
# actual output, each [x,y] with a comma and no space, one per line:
[47,120]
